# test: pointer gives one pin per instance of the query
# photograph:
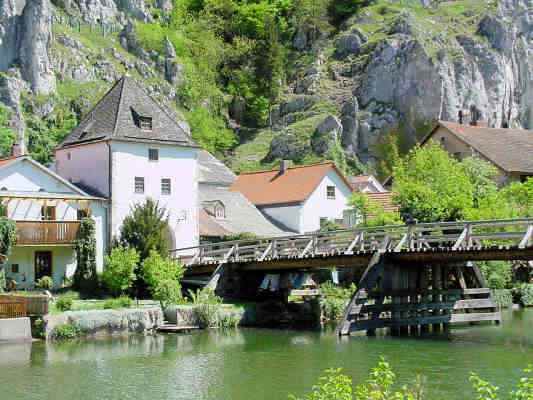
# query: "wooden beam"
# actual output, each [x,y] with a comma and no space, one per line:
[352,245]
[265,253]
[527,238]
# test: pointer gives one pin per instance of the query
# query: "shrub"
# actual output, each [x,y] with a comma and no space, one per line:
[162,275]
[146,229]
[85,277]
[66,332]
[8,235]
[65,302]
[204,296]
[45,283]
[119,269]
[120,302]
[502,297]
[3,281]
[524,294]
[228,320]
[333,300]
[207,315]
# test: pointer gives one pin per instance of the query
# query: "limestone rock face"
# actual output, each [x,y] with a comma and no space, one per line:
[34,46]
[285,146]
[326,134]
[10,14]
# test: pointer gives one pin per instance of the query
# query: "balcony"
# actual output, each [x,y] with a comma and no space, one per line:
[32,233]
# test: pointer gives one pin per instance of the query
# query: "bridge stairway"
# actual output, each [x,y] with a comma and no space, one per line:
[417,300]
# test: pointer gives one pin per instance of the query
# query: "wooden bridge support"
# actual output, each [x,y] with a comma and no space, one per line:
[418,299]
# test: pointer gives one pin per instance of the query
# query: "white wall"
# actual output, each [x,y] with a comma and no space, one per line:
[88,164]
[319,206]
[289,215]
[63,264]
[130,160]
[24,176]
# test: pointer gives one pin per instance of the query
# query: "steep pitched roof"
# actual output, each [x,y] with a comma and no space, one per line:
[241,215]
[293,186]
[116,116]
[509,149]
[359,182]
[213,171]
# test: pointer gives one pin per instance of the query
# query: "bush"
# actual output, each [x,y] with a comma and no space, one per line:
[162,275]
[45,283]
[502,297]
[66,332]
[3,281]
[120,302]
[119,269]
[85,278]
[8,235]
[207,315]
[65,302]
[333,300]
[524,294]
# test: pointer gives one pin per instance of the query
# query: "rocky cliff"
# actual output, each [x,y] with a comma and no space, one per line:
[393,66]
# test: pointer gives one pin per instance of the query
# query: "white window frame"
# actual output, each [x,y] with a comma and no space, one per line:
[328,195]
[138,181]
[166,186]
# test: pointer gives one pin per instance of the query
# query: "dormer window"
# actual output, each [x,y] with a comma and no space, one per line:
[145,123]
[220,212]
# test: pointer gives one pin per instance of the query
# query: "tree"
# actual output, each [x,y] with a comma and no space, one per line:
[7,136]
[162,275]
[8,235]
[431,186]
[119,272]
[371,213]
[85,277]
[146,229]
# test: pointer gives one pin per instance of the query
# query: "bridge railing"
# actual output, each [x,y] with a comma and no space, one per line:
[452,235]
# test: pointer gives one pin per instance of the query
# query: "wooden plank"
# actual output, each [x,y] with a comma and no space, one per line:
[393,323]
[391,307]
[474,303]
[476,291]
[305,292]
[476,317]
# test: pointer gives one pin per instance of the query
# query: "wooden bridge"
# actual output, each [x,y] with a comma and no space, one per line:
[410,277]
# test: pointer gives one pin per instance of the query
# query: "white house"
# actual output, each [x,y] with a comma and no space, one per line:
[300,198]
[128,149]
[47,210]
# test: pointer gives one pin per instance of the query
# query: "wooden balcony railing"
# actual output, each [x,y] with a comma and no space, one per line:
[46,232]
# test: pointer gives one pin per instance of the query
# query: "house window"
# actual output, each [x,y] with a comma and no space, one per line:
[166,186]
[330,192]
[220,212]
[14,268]
[139,185]
[145,123]
[48,213]
[69,156]
[81,214]
[153,154]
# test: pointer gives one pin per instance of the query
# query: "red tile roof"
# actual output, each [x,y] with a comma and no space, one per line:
[509,149]
[7,160]
[294,186]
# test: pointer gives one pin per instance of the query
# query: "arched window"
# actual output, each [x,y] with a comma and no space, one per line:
[220,212]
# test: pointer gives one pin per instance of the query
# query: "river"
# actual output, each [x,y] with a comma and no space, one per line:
[256,364]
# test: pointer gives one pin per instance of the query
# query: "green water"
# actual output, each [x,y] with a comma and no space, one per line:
[256,364]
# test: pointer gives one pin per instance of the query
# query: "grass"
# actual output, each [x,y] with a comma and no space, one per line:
[91,305]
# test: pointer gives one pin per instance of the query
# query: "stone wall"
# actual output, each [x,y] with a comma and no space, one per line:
[107,322]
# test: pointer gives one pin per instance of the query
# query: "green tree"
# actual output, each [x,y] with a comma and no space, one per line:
[342,9]
[163,275]
[119,271]
[371,213]
[431,186]
[85,277]
[7,135]
[146,228]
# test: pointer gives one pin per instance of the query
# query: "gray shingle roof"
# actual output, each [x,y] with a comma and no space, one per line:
[115,116]
[241,215]
[213,171]
[509,149]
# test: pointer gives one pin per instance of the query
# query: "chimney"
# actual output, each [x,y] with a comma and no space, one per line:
[18,148]
[284,165]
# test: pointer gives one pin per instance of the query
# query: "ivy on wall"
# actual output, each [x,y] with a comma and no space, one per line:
[85,277]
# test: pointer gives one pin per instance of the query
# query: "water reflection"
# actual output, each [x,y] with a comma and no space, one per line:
[257,364]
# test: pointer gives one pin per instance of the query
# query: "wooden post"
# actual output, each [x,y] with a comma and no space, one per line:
[436,286]
[445,299]
[395,315]
[413,298]
[425,299]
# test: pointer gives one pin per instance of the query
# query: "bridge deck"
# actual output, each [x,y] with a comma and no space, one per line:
[446,242]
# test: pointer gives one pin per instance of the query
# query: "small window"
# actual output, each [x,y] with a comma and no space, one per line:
[14,268]
[81,214]
[153,154]
[139,185]
[48,213]
[69,156]
[330,192]
[145,123]
[220,212]
[166,187]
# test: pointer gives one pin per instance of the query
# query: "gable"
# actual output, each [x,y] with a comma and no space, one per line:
[24,175]
[332,178]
